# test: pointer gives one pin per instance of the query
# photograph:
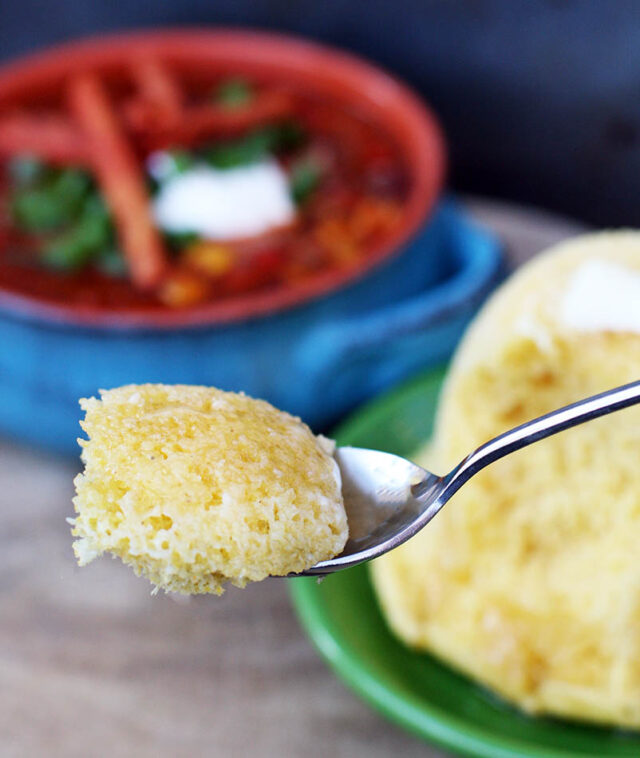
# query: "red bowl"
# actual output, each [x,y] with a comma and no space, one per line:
[342,77]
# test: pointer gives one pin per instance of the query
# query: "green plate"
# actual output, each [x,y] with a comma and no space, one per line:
[341,616]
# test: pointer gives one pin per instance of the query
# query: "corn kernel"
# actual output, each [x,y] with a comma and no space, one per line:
[209,258]
[182,289]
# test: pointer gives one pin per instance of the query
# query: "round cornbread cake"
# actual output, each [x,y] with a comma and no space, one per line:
[529,579]
[194,487]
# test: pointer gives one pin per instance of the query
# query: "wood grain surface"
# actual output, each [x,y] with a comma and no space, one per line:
[92,665]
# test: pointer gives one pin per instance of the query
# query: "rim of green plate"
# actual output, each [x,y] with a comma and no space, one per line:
[417,716]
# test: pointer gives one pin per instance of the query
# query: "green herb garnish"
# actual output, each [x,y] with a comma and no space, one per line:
[111,262]
[233,93]
[52,202]
[177,241]
[304,178]
[255,146]
[181,161]
[89,236]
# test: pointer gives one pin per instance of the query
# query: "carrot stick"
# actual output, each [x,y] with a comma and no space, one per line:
[120,177]
[201,122]
[158,86]
[51,138]
[159,93]
[159,98]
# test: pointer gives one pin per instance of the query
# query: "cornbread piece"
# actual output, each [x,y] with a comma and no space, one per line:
[194,487]
[529,579]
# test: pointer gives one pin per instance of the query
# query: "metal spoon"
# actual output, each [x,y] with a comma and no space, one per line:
[388,499]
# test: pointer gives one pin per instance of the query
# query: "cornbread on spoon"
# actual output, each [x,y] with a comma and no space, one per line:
[195,487]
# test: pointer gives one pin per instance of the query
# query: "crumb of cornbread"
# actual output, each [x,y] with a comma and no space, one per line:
[529,579]
[194,487]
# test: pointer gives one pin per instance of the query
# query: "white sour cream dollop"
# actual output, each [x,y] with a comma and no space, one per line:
[602,297]
[221,205]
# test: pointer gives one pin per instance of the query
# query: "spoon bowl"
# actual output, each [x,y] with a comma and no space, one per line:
[384,497]
[388,498]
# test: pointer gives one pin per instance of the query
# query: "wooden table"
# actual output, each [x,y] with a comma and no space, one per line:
[92,665]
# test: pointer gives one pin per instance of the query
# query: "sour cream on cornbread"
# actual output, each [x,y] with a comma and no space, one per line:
[194,487]
[224,204]
[602,296]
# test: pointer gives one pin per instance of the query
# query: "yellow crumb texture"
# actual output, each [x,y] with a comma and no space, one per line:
[194,487]
[529,579]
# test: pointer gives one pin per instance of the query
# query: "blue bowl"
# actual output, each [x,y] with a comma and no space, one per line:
[317,360]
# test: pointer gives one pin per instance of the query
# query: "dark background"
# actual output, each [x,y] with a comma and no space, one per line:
[540,100]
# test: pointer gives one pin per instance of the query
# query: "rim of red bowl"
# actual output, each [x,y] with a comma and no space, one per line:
[343,76]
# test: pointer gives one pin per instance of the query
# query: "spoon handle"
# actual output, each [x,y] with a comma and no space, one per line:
[539,428]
